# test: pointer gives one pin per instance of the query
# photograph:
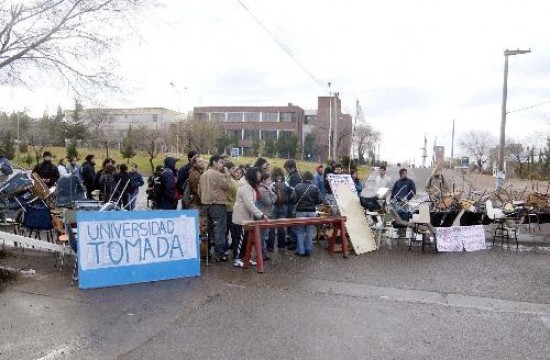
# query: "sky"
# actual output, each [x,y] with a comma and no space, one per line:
[414,66]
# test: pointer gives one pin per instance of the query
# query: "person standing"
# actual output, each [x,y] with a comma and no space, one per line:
[280,210]
[236,175]
[62,168]
[88,174]
[306,196]
[292,180]
[168,199]
[124,185]
[183,175]
[267,205]
[404,188]
[319,180]
[74,169]
[245,209]
[213,187]
[108,189]
[198,168]
[358,184]
[136,181]
[46,170]
[370,195]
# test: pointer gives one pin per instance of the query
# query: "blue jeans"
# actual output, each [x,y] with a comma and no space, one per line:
[304,234]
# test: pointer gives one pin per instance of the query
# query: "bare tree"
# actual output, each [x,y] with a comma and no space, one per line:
[365,139]
[201,135]
[478,144]
[152,143]
[63,37]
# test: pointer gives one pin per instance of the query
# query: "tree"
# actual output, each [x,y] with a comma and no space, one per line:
[62,37]
[8,146]
[71,149]
[128,146]
[202,136]
[57,127]
[310,150]
[270,148]
[151,144]
[287,146]
[365,139]
[75,128]
[223,142]
[478,144]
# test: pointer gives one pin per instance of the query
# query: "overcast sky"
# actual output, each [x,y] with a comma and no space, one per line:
[414,66]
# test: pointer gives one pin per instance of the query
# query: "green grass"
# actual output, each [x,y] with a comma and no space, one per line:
[142,159]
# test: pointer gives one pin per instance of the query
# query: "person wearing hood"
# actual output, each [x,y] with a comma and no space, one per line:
[88,174]
[47,171]
[169,200]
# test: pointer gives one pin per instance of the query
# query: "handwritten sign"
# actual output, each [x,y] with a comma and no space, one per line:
[124,247]
[360,233]
[458,238]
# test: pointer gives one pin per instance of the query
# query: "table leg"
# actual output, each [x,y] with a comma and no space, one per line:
[258,246]
[344,239]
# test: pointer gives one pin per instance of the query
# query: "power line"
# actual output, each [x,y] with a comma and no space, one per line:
[281,45]
[529,107]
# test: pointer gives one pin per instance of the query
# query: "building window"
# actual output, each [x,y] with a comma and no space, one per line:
[235,134]
[251,134]
[252,117]
[201,116]
[270,117]
[310,119]
[288,117]
[217,117]
[269,135]
[234,117]
[285,134]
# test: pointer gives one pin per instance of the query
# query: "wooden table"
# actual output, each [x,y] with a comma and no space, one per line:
[253,228]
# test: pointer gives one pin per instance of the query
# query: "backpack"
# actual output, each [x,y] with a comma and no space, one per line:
[186,196]
[155,190]
[281,191]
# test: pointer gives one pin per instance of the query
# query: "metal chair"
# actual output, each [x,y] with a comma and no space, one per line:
[504,226]
[422,226]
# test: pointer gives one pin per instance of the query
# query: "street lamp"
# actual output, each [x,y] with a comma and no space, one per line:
[500,173]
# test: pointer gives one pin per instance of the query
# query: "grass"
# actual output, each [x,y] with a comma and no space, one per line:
[142,159]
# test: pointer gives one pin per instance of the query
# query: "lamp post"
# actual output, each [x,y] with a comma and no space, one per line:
[329,121]
[500,173]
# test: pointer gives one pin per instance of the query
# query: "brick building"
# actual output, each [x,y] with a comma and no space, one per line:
[260,123]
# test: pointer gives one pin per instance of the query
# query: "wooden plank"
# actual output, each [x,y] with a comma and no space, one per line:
[360,233]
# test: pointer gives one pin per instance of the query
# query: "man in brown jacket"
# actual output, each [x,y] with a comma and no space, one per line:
[213,187]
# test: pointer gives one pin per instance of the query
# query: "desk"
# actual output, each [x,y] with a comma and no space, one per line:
[254,227]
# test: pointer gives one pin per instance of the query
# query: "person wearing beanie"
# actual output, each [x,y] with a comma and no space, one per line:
[47,171]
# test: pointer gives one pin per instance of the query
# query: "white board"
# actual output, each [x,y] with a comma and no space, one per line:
[360,233]
[458,238]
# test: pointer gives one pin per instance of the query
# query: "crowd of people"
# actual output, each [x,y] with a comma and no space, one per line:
[227,195]
[112,182]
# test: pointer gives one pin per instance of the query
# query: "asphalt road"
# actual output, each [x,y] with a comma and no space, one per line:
[390,304]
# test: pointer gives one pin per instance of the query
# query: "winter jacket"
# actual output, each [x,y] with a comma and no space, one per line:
[136,181]
[213,187]
[48,172]
[306,196]
[193,183]
[107,184]
[169,200]
[88,175]
[267,198]
[403,188]
[245,208]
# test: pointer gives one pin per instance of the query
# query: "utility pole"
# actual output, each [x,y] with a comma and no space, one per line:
[329,121]
[500,173]
[336,120]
